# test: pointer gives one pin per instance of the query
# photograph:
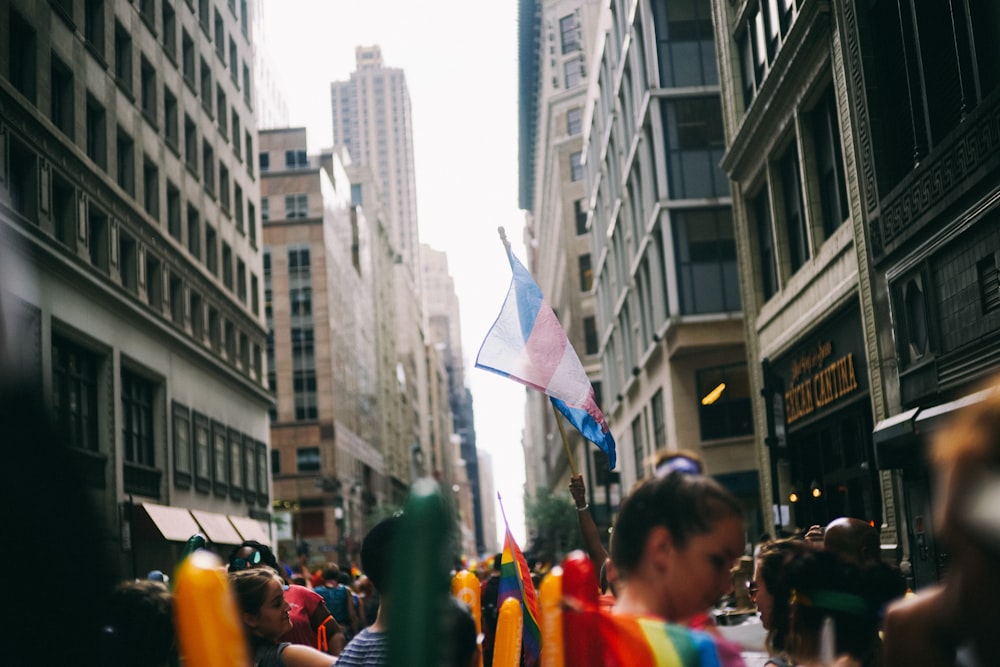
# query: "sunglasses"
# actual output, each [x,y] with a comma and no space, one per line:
[752,589]
[244,563]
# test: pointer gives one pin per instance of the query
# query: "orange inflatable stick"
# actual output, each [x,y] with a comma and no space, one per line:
[550,595]
[465,587]
[206,616]
[510,625]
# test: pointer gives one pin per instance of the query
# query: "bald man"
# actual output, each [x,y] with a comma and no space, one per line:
[853,540]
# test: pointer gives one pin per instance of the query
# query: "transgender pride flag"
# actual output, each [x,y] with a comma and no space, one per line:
[527,344]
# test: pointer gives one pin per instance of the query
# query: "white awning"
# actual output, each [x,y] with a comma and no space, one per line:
[174,523]
[217,527]
[251,529]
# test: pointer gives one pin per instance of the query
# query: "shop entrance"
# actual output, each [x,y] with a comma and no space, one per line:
[832,470]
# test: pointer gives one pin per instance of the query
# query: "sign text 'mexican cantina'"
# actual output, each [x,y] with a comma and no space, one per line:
[831,382]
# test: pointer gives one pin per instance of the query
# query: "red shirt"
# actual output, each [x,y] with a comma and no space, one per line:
[303,604]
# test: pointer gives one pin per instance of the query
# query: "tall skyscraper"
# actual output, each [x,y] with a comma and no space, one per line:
[128,191]
[372,119]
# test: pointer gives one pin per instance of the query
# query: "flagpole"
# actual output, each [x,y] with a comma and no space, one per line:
[565,440]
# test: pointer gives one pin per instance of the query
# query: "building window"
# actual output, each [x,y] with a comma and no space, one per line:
[151,188]
[235,464]
[169,29]
[275,462]
[123,57]
[190,145]
[183,461]
[125,153]
[197,315]
[61,107]
[265,209]
[244,19]
[223,116]
[23,176]
[238,207]
[586,272]
[695,145]
[249,466]
[307,459]
[590,342]
[93,25]
[724,409]
[685,43]
[97,133]
[303,358]
[241,281]
[187,56]
[573,72]
[576,166]
[234,67]
[638,446]
[580,216]
[237,131]
[296,206]
[208,166]
[765,244]
[171,120]
[137,419]
[98,238]
[220,459]
[227,266]
[295,159]
[154,282]
[707,276]
[206,87]
[64,207]
[252,223]
[201,437]
[174,213]
[574,121]
[220,37]
[224,187]
[795,219]
[211,250]
[249,152]
[659,423]
[265,161]
[569,32]
[75,374]
[21,53]
[194,232]
[829,163]
[247,84]
[147,91]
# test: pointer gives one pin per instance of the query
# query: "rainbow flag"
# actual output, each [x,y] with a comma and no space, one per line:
[635,641]
[515,582]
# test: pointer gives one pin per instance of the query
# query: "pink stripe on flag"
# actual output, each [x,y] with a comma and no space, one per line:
[544,347]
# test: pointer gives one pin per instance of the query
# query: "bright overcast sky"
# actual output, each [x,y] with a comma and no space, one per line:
[460,60]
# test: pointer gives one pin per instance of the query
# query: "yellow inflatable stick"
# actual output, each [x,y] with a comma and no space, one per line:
[465,587]
[550,596]
[206,616]
[510,624]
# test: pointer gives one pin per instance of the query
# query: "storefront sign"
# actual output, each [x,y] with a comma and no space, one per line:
[816,390]
[825,370]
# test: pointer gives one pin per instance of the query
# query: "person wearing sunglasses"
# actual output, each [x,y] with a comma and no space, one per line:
[312,623]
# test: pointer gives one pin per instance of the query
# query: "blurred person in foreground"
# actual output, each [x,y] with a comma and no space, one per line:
[955,623]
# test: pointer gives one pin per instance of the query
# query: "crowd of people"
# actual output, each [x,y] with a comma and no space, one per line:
[824,598]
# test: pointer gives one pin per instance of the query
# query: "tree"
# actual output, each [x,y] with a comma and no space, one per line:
[553,524]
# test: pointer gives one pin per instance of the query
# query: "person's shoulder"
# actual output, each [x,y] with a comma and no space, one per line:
[296,591]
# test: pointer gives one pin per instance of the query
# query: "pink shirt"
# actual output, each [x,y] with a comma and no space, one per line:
[303,603]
